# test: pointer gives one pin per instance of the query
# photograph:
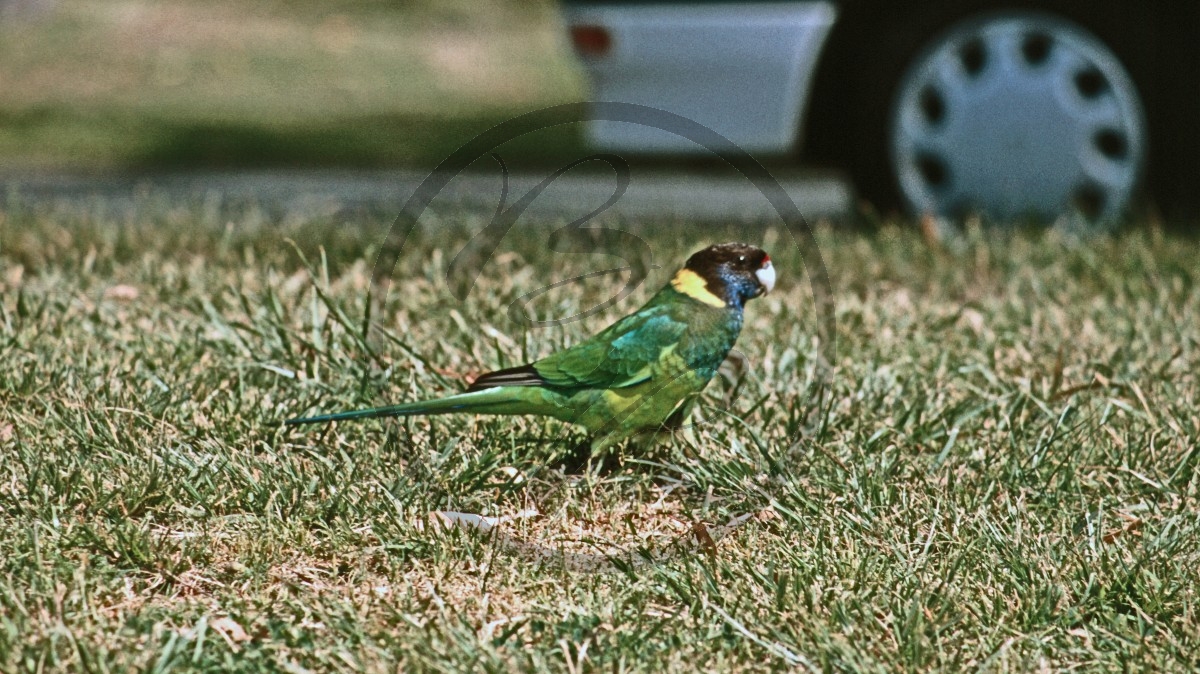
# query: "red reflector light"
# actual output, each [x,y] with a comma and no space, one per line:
[591,40]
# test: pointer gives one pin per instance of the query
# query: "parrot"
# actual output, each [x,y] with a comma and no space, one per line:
[639,376]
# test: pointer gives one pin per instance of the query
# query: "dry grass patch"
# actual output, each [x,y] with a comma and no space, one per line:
[1004,478]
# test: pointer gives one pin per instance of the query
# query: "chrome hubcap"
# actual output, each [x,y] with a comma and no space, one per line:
[1016,116]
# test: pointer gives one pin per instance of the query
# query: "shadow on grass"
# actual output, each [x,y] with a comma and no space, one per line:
[374,141]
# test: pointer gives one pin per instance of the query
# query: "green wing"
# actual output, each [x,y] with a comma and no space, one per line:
[623,354]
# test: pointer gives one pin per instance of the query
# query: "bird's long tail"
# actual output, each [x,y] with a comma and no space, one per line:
[487,401]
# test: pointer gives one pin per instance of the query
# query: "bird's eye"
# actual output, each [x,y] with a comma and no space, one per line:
[741,258]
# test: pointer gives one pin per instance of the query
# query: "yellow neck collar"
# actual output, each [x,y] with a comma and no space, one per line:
[691,284]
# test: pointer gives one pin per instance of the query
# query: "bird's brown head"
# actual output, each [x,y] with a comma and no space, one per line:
[726,275]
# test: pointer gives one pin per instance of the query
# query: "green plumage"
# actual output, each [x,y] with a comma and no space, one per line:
[629,379]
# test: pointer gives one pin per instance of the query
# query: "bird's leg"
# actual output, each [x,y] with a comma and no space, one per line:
[679,418]
[591,453]
[576,459]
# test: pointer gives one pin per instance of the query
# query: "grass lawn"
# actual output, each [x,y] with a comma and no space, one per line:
[1005,477]
[94,84]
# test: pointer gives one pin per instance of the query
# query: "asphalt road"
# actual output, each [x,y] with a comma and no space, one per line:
[660,194]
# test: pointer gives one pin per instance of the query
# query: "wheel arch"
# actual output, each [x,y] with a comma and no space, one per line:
[873,42]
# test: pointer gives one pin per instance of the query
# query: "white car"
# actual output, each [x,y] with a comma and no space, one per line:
[1012,109]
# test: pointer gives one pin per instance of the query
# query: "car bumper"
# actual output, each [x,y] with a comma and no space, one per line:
[742,70]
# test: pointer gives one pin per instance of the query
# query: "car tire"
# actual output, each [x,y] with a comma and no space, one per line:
[879,85]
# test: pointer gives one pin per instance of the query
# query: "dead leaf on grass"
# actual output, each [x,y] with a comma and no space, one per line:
[707,545]
[121,292]
[230,630]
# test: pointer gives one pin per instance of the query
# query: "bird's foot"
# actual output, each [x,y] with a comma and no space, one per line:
[582,459]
